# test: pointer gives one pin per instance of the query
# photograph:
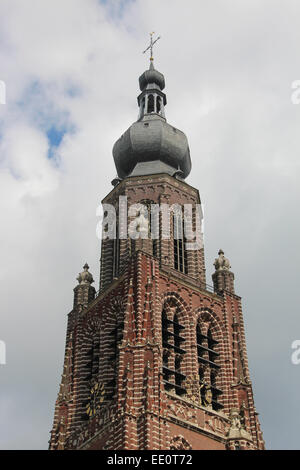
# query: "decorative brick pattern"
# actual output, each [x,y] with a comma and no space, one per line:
[116,339]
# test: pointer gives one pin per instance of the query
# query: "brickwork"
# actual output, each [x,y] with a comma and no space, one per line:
[167,355]
[156,189]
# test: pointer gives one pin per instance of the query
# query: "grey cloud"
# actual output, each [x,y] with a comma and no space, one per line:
[228,68]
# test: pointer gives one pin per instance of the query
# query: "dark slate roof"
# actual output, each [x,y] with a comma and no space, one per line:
[152,76]
[151,145]
[152,140]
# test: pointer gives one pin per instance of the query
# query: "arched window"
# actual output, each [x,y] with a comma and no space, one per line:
[173,353]
[158,104]
[92,364]
[180,253]
[150,104]
[90,369]
[115,337]
[208,368]
[153,224]
[111,337]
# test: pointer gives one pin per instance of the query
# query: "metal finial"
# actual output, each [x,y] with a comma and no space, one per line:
[151,45]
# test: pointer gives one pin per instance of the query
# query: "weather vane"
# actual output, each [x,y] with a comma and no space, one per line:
[151,45]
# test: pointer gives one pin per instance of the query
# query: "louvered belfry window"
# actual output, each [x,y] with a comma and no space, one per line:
[91,368]
[173,354]
[208,367]
[150,104]
[116,336]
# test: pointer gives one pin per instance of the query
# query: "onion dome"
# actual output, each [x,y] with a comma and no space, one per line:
[151,145]
[85,277]
[150,77]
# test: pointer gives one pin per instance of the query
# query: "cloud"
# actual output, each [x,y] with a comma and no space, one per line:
[71,71]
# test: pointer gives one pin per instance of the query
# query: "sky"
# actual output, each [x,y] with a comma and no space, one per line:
[71,71]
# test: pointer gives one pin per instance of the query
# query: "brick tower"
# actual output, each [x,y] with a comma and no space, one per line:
[156,359]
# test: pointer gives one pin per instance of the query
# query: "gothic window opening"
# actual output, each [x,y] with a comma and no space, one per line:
[173,354]
[208,369]
[92,365]
[150,104]
[91,369]
[116,336]
[153,225]
[180,253]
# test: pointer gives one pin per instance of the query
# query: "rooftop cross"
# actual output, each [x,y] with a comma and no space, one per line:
[151,45]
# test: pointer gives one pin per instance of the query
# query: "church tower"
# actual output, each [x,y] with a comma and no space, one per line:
[156,359]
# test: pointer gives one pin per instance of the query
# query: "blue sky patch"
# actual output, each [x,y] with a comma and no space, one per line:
[55,136]
[116,8]
[37,104]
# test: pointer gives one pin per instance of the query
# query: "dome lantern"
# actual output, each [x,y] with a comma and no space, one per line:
[151,145]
